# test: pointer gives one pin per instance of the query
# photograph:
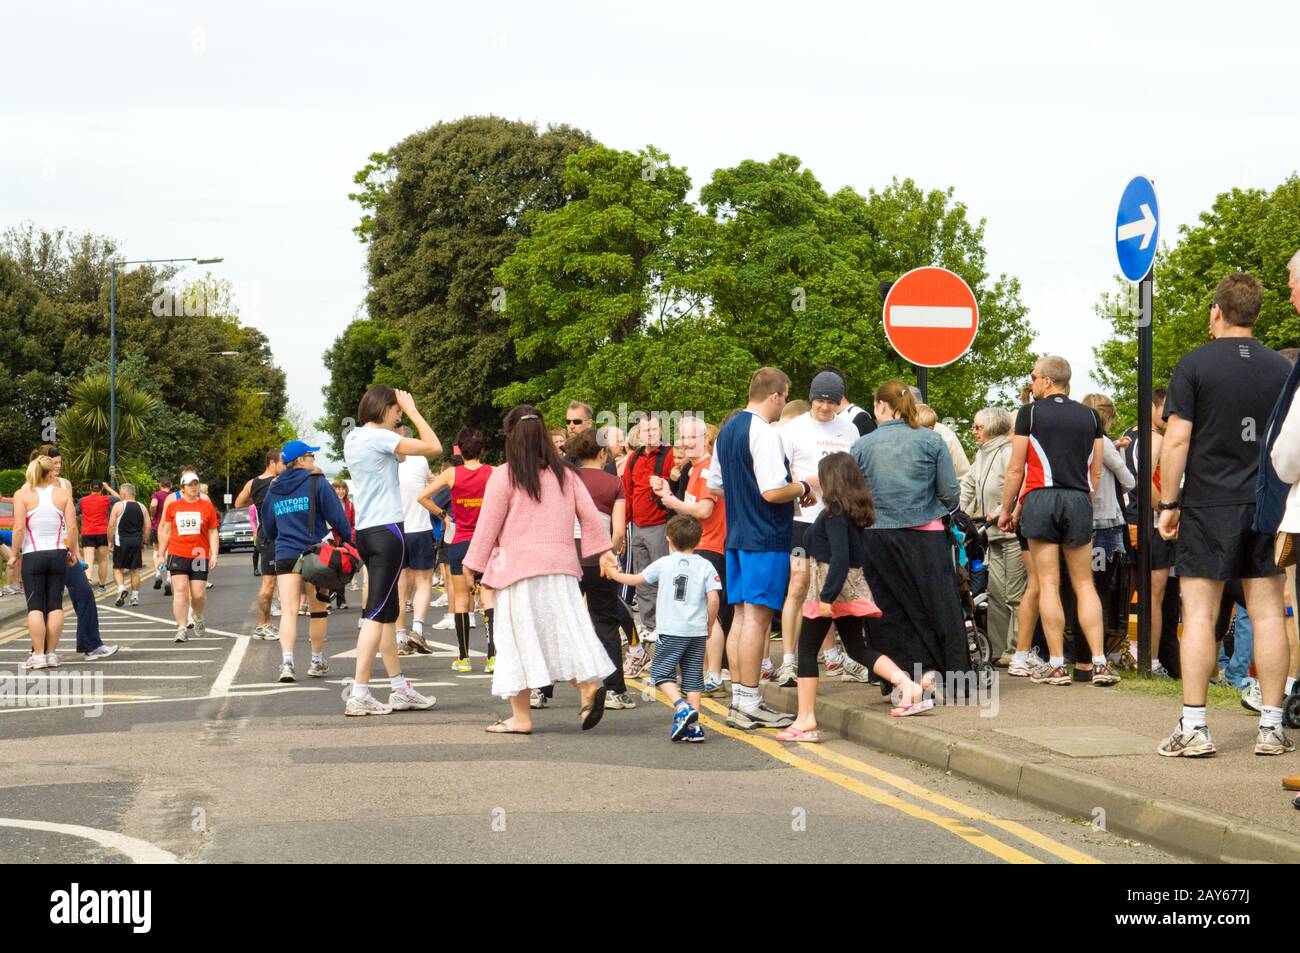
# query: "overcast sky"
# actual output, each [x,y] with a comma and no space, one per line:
[234,129]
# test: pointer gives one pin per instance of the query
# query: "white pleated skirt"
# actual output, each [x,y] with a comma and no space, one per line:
[544,635]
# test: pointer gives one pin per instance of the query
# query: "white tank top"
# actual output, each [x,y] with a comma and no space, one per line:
[45,529]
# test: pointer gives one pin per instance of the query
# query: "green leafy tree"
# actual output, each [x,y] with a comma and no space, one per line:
[1249,230]
[441,210]
[84,426]
[596,274]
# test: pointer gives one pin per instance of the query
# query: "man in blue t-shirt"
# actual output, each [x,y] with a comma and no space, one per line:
[752,476]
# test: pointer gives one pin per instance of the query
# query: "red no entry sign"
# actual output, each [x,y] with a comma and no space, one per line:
[931,317]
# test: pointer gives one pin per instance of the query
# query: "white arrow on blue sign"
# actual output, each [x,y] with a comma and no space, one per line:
[1137,228]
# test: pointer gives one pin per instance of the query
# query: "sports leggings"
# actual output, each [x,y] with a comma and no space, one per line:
[383,550]
[43,574]
[813,633]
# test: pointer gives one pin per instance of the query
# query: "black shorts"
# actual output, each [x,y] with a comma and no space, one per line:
[266,562]
[1163,552]
[286,567]
[194,568]
[383,550]
[44,573]
[128,556]
[1216,542]
[796,538]
[95,539]
[1020,538]
[421,553]
[1057,515]
[456,556]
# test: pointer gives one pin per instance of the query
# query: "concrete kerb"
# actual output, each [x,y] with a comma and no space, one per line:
[1174,825]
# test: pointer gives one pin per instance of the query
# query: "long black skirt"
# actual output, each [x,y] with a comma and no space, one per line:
[912,578]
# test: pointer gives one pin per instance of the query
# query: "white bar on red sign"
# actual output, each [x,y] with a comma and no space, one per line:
[920,316]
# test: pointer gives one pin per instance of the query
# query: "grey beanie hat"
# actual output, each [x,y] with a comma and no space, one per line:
[827,386]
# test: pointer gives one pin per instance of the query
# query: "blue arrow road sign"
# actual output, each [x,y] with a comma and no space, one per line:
[1137,228]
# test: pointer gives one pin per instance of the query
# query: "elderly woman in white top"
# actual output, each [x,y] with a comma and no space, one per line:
[981,497]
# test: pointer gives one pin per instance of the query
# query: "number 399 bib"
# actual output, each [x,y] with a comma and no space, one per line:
[188,524]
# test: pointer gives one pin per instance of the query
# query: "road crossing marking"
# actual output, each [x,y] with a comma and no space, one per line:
[140,851]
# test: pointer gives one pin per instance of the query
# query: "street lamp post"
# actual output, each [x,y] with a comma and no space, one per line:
[112,349]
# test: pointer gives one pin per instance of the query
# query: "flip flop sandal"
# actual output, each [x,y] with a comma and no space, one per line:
[902,711]
[794,734]
[501,728]
[595,711]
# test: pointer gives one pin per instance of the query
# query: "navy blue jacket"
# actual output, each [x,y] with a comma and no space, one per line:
[1270,491]
[284,510]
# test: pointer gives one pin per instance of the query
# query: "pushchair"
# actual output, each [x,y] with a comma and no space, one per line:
[969,543]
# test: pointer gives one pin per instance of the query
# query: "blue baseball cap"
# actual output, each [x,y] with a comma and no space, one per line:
[295,449]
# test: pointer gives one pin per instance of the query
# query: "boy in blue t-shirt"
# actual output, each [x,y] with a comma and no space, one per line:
[685,607]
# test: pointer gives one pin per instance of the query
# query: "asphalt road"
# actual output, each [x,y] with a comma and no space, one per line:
[198,753]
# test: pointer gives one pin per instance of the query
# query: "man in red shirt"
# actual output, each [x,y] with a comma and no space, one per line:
[647,518]
[94,528]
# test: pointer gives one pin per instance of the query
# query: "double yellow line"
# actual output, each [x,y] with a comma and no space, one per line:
[953,825]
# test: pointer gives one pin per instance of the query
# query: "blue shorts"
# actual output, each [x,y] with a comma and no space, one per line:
[757,578]
[456,556]
[7,537]
[420,550]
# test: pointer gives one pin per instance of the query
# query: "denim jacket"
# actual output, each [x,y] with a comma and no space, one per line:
[910,473]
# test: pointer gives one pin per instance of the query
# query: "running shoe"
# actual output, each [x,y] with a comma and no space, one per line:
[103,652]
[1187,744]
[287,673]
[51,659]
[407,606]
[785,676]
[34,661]
[461,665]
[302,610]
[1250,696]
[473,620]
[135,598]
[768,668]
[617,702]
[683,717]
[440,602]
[408,699]
[1103,675]
[446,623]
[635,662]
[711,688]
[764,716]
[405,649]
[167,590]
[1159,671]
[275,608]
[419,643]
[490,665]
[1273,741]
[264,633]
[367,704]
[1029,667]
[1059,675]
[200,627]
[158,579]
[102,589]
[536,699]
[694,733]
[121,598]
[854,671]
[182,634]
[836,667]
[342,605]
[318,669]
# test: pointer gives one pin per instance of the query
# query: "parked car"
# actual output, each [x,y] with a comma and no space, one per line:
[236,530]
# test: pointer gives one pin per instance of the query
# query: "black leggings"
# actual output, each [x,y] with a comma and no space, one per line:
[383,550]
[43,576]
[813,633]
[726,611]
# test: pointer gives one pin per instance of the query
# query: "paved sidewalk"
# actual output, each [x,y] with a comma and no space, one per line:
[1084,750]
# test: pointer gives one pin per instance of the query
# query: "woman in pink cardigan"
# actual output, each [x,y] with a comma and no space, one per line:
[523,548]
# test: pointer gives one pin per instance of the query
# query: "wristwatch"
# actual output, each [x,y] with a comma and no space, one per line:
[1162,506]
[807,487]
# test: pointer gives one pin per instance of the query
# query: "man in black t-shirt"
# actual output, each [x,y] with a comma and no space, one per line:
[1220,397]
[1056,459]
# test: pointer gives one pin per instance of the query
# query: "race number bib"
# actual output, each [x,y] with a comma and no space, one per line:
[188,524]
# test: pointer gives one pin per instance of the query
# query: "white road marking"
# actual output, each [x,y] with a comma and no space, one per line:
[140,851]
[132,649]
[121,661]
[227,675]
[169,622]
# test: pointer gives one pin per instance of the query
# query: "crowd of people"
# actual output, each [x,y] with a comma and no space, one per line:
[788,542]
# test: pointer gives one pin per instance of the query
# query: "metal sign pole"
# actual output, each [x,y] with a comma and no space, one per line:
[923,382]
[1146,467]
